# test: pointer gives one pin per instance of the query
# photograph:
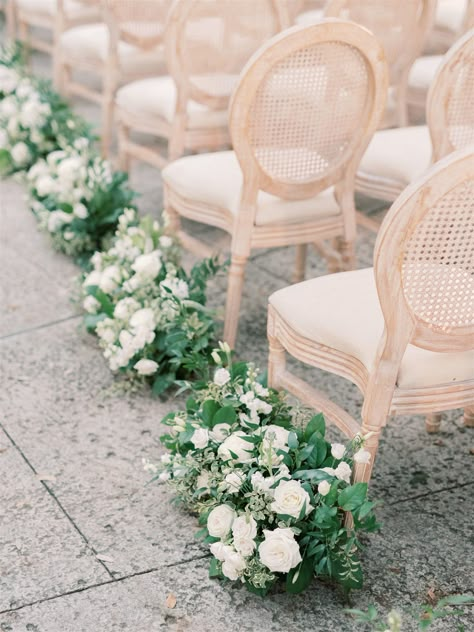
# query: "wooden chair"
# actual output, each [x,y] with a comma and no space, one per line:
[425,67]
[403,332]
[207,44]
[53,16]
[128,45]
[7,7]
[303,111]
[449,25]
[308,12]
[396,157]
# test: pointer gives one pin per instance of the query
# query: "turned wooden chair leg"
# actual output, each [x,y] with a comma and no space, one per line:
[469,417]
[123,155]
[300,263]
[234,297]
[347,250]
[433,422]
[108,105]
[276,357]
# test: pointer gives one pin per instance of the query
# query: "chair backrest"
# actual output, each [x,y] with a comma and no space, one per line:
[137,22]
[424,261]
[450,103]
[306,107]
[400,26]
[209,41]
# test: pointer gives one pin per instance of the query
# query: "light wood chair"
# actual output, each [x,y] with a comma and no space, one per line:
[127,45]
[52,16]
[396,157]
[301,116]
[308,12]
[7,7]
[207,44]
[403,331]
[424,68]
[449,25]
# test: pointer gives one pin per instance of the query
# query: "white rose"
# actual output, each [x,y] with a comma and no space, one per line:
[143,318]
[233,565]
[234,482]
[338,450]
[343,472]
[221,377]
[20,153]
[146,367]
[125,307]
[200,438]
[69,167]
[277,437]
[91,304]
[239,447]
[80,211]
[362,456]
[110,279]
[93,278]
[166,241]
[279,552]
[57,219]
[262,484]
[178,287]
[148,265]
[323,488]
[220,550]
[290,498]
[244,532]
[220,520]
[219,432]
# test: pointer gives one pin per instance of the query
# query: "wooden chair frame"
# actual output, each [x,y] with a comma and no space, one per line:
[439,102]
[8,9]
[110,71]
[441,39]
[179,134]
[403,326]
[410,46]
[246,234]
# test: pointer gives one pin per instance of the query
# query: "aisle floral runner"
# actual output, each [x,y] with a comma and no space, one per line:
[270,492]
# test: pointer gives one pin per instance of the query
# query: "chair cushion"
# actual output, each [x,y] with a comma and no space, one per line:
[342,311]
[155,97]
[91,42]
[73,8]
[309,17]
[216,179]
[423,71]
[450,14]
[397,155]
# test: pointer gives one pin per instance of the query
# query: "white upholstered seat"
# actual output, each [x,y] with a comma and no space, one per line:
[342,311]
[155,97]
[309,17]
[423,71]
[216,179]
[394,158]
[90,42]
[450,14]
[73,8]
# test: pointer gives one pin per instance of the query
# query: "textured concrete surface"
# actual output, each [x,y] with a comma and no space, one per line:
[87,546]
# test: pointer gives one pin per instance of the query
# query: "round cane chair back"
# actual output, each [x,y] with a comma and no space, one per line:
[424,259]
[140,23]
[306,106]
[450,105]
[208,42]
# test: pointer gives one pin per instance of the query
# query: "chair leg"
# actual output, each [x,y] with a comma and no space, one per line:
[469,417]
[234,297]
[300,263]
[433,422]
[107,122]
[347,250]
[123,155]
[276,356]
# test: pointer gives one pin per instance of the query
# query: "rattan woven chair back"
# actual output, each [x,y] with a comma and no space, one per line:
[450,105]
[140,23]
[401,28]
[209,42]
[305,109]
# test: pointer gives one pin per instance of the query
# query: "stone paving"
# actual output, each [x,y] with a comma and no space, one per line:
[87,546]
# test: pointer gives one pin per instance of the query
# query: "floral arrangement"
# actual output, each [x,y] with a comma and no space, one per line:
[270,491]
[77,197]
[149,315]
[34,119]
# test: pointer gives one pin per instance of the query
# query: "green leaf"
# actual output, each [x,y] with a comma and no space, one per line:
[91,320]
[225,415]
[292,440]
[161,383]
[214,568]
[209,409]
[317,424]
[299,578]
[352,497]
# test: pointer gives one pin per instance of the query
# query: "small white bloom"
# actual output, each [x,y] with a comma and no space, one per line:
[110,279]
[279,551]
[362,456]
[57,219]
[143,318]
[91,305]
[146,367]
[220,520]
[219,432]
[200,438]
[223,346]
[220,550]
[233,565]
[164,476]
[244,531]
[166,241]
[343,472]
[221,377]
[323,488]
[165,459]
[93,278]
[290,498]
[215,356]
[80,211]
[148,266]
[338,450]
[20,153]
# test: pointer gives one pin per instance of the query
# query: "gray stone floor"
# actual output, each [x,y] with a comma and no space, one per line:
[87,546]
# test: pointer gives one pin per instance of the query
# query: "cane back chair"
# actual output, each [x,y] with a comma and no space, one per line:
[403,332]
[128,45]
[207,44]
[303,111]
[396,157]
